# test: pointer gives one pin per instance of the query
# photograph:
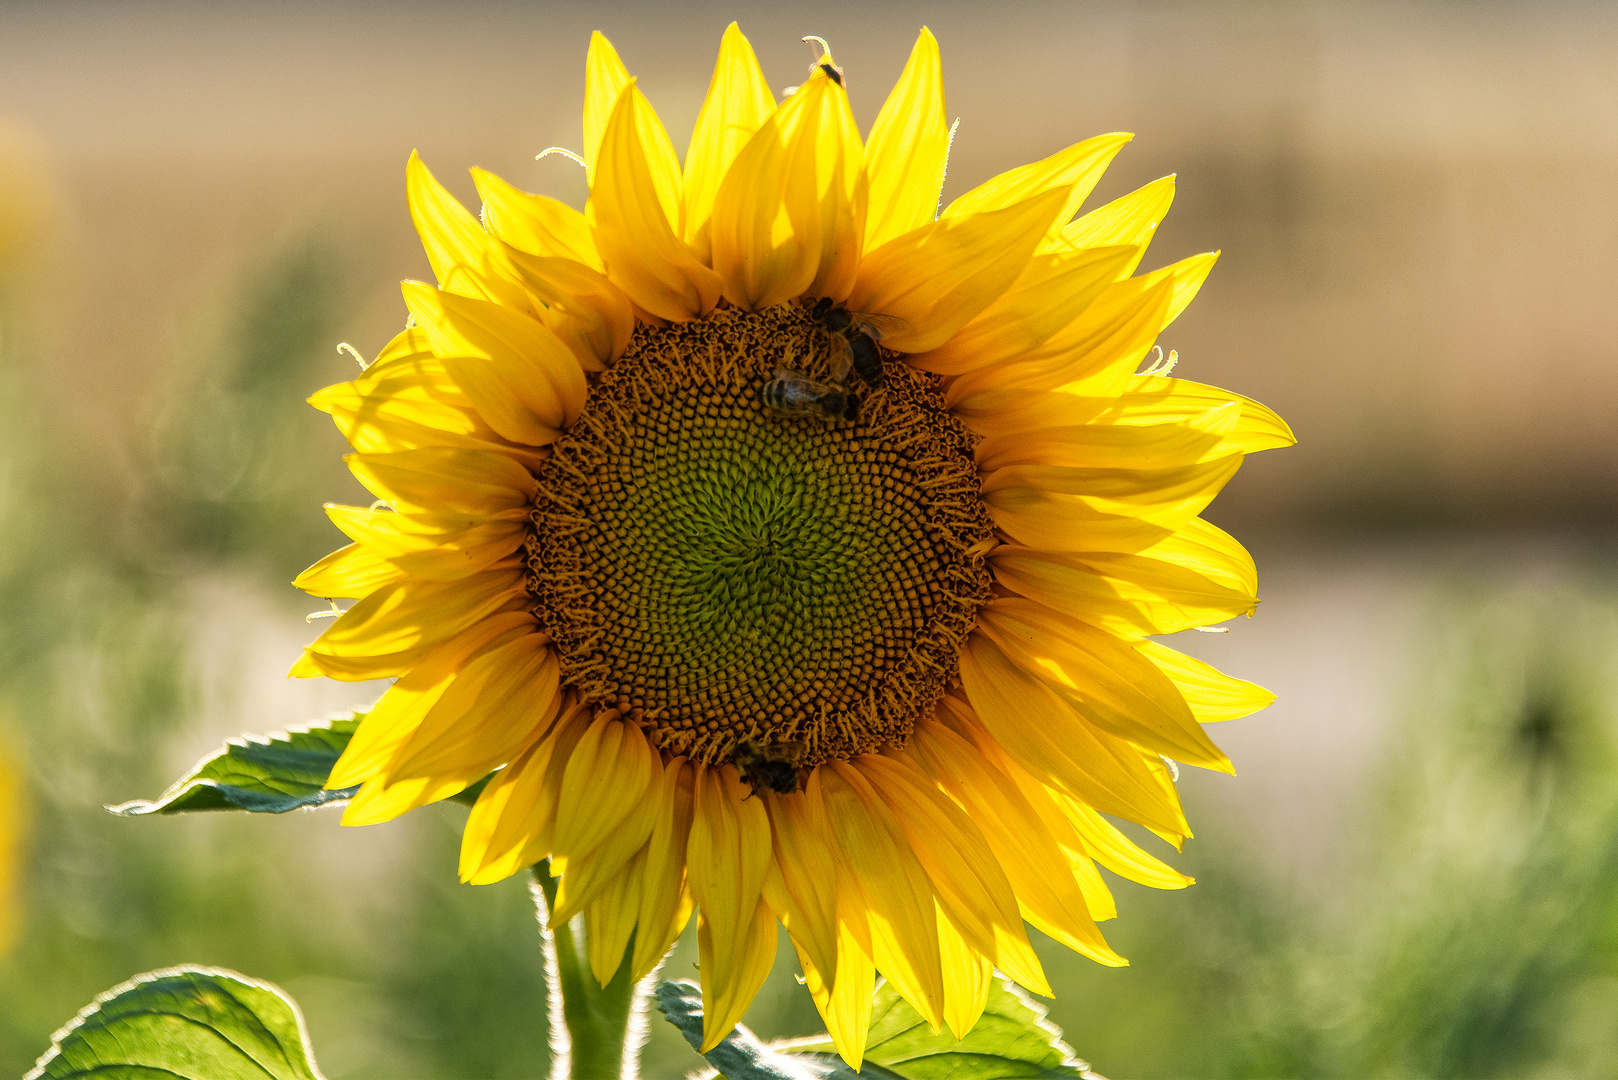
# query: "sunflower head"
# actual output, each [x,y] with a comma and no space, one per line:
[790,551]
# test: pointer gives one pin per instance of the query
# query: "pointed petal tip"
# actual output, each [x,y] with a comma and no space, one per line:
[709,1041]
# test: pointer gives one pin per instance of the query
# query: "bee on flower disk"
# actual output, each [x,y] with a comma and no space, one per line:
[773,767]
[795,395]
[853,336]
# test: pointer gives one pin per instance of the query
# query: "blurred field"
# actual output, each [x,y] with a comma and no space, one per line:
[1415,873]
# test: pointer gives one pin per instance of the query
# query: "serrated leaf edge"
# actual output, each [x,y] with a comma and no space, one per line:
[1042,1021]
[122,988]
[189,781]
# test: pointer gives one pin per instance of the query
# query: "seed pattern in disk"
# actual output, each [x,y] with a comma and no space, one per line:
[722,574]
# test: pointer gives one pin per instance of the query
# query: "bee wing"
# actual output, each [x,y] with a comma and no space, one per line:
[879,326]
[841,358]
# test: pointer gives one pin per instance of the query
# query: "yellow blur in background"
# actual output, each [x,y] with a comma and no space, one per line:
[1415,873]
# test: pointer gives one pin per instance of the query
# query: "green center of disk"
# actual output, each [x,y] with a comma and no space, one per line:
[726,575]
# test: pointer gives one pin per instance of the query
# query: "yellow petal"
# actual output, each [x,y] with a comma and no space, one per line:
[1161,497]
[1116,851]
[578,304]
[967,880]
[738,102]
[1075,170]
[399,712]
[516,814]
[843,1000]
[727,859]
[789,215]
[894,889]
[411,410]
[536,224]
[994,410]
[1030,314]
[1115,446]
[636,233]
[1106,681]
[908,148]
[385,633]
[802,885]
[756,251]
[457,247]
[1153,399]
[968,974]
[349,572]
[665,903]
[1128,595]
[840,984]
[1046,737]
[1055,521]
[1211,693]
[937,278]
[521,377]
[381,426]
[609,919]
[605,811]
[1132,219]
[425,394]
[753,954]
[1106,342]
[445,480]
[431,546]
[826,185]
[604,80]
[1053,901]
[497,704]
[403,352]
[1097,899]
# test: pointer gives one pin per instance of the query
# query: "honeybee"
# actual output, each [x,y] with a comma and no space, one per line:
[793,394]
[853,336]
[773,767]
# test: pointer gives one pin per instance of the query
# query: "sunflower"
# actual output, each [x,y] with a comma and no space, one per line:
[742,632]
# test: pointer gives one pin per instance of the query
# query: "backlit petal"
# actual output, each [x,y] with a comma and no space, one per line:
[738,102]
[936,278]
[908,148]
[728,857]
[1075,170]
[636,230]
[536,224]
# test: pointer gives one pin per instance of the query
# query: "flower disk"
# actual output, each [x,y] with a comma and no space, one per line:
[779,549]
[724,575]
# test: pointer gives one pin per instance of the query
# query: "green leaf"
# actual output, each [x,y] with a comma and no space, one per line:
[1011,1041]
[271,775]
[193,1023]
[740,1056]
[285,771]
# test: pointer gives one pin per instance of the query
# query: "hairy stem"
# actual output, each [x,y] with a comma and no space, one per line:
[596,1031]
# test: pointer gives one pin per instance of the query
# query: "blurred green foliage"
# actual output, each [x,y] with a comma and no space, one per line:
[1475,937]
[237,460]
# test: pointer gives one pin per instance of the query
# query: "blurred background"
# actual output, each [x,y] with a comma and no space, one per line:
[1415,874]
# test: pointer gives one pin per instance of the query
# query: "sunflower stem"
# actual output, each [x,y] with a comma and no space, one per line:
[596,1031]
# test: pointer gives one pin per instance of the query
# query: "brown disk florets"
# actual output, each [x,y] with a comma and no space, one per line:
[729,576]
